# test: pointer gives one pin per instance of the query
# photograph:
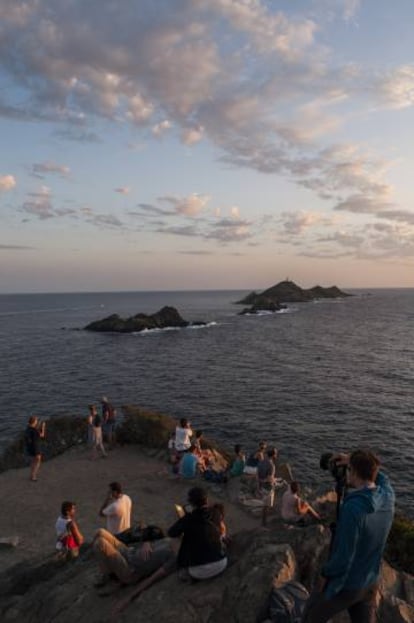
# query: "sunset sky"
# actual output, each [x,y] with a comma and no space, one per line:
[201,144]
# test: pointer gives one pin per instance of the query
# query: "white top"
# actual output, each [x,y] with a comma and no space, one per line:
[182,438]
[118,514]
[289,510]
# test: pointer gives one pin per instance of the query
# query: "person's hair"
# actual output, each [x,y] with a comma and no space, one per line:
[294,486]
[197,496]
[199,433]
[183,422]
[66,507]
[218,510]
[115,487]
[237,448]
[365,464]
[271,452]
[32,420]
[262,445]
[92,407]
[192,448]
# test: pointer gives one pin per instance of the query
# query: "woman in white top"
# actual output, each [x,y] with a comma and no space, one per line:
[293,507]
[183,435]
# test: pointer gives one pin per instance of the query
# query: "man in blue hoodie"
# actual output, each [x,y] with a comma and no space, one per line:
[350,577]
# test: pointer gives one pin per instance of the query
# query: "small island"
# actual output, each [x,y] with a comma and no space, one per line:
[167,317]
[287,291]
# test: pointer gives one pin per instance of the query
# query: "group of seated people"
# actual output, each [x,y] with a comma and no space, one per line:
[187,456]
[200,554]
[189,459]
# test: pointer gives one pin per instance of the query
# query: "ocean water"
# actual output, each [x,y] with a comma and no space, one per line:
[321,376]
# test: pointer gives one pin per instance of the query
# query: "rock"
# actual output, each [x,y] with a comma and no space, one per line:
[9,541]
[288,292]
[162,319]
[62,433]
[263,303]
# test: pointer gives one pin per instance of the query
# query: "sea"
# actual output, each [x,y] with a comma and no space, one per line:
[317,377]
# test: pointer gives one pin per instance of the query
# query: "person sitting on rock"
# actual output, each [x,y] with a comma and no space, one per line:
[183,434]
[254,459]
[294,509]
[189,464]
[69,537]
[239,461]
[149,560]
[202,553]
[117,509]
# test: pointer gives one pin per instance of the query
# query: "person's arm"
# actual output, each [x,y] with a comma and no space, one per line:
[106,508]
[76,533]
[178,528]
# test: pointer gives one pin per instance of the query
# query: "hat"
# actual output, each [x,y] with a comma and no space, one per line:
[104,399]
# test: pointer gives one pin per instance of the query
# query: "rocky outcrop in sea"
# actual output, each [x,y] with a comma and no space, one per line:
[164,318]
[287,291]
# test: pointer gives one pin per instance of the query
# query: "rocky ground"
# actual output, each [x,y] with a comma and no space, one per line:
[35,587]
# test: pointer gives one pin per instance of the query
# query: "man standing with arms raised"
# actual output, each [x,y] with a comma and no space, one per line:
[350,577]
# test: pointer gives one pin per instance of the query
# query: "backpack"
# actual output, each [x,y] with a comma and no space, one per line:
[138,534]
[287,603]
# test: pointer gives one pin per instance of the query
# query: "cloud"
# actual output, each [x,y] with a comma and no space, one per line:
[295,223]
[15,247]
[191,136]
[258,83]
[159,129]
[122,190]
[187,206]
[7,182]
[39,204]
[45,168]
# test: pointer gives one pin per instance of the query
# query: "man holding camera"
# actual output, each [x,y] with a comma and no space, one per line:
[350,577]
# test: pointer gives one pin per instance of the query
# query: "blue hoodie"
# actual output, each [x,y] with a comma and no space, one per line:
[364,522]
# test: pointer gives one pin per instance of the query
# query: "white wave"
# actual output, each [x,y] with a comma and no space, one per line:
[158,330]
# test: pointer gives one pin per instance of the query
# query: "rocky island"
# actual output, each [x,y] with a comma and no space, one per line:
[164,318]
[287,291]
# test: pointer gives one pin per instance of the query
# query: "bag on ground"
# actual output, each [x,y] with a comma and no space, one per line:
[287,603]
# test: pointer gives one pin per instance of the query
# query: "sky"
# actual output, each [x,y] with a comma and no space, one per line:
[194,144]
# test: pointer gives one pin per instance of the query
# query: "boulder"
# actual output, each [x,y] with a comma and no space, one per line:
[50,591]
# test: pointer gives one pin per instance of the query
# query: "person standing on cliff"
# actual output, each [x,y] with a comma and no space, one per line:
[266,477]
[349,580]
[108,426]
[34,433]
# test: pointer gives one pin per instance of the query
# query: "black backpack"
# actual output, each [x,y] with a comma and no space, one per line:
[287,603]
[138,534]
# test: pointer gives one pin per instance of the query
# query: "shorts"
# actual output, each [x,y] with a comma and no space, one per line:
[267,494]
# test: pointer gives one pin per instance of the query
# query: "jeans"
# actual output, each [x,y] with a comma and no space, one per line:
[361,606]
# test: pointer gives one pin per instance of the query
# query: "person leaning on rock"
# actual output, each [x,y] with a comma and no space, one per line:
[34,433]
[142,565]
[350,577]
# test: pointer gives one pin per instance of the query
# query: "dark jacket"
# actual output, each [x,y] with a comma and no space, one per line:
[201,542]
[364,522]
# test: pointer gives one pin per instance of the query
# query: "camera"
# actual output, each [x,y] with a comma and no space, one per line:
[328,463]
